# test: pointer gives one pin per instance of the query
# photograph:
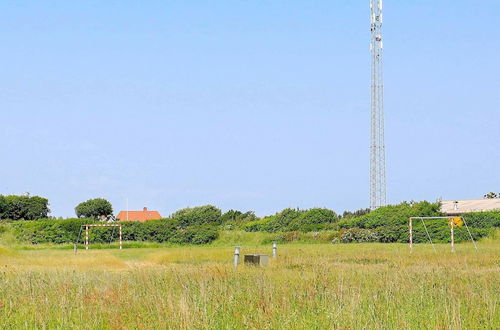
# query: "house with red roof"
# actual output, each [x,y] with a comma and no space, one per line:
[140,216]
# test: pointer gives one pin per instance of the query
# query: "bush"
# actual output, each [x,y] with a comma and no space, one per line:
[392,234]
[71,231]
[314,219]
[200,215]
[359,235]
[258,225]
[238,216]
[234,219]
[203,234]
[489,219]
[355,214]
[50,231]
[392,215]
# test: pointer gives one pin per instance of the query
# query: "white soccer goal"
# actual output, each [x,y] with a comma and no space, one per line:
[452,222]
[88,226]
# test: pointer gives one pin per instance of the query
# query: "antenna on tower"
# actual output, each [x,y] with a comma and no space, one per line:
[377,145]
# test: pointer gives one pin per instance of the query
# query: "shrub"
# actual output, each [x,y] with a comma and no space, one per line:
[203,234]
[314,219]
[282,220]
[358,235]
[258,225]
[238,216]
[50,231]
[355,214]
[489,219]
[70,231]
[200,215]
[3,206]
[392,234]
[392,215]
[234,219]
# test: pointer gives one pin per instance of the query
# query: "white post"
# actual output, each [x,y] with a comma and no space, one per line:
[120,229]
[236,255]
[411,236]
[86,237]
[452,236]
[275,248]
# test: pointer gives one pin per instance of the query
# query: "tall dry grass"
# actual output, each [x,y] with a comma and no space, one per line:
[307,286]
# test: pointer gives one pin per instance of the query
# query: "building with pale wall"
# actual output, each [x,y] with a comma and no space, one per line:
[457,207]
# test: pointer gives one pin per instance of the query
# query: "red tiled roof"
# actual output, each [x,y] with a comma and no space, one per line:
[141,216]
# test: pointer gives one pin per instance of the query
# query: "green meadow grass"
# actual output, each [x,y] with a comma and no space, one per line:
[309,286]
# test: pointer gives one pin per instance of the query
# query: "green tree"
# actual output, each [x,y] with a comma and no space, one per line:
[200,215]
[94,208]
[25,207]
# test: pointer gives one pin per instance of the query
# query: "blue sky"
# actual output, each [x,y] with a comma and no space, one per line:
[251,105]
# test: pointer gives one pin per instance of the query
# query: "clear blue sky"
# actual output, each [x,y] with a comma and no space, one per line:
[252,105]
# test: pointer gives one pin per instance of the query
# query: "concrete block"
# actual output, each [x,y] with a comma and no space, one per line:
[256,259]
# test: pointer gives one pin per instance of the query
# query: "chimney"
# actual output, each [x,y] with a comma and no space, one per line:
[145,209]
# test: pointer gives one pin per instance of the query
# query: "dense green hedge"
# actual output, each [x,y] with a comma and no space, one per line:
[200,225]
[70,230]
[390,223]
[49,231]
[392,215]
[483,219]
[315,219]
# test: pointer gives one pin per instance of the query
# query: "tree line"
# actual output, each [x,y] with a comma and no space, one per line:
[202,224]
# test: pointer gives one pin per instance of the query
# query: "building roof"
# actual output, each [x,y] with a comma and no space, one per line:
[141,216]
[470,205]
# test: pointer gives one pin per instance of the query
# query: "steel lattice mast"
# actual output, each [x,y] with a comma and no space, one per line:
[377,146]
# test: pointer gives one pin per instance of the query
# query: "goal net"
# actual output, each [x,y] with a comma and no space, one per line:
[452,222]
[89,226]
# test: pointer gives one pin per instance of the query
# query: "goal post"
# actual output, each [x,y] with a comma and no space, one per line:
[88,226]
[453,221]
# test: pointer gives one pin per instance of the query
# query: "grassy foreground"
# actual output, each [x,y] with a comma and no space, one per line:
[307,286]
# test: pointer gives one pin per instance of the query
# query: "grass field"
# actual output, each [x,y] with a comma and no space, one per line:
[309,286]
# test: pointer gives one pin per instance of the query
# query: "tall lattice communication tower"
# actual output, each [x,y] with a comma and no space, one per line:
[377,146]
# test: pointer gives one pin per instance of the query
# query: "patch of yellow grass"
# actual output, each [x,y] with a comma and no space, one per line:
[5,251]
[56,259]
